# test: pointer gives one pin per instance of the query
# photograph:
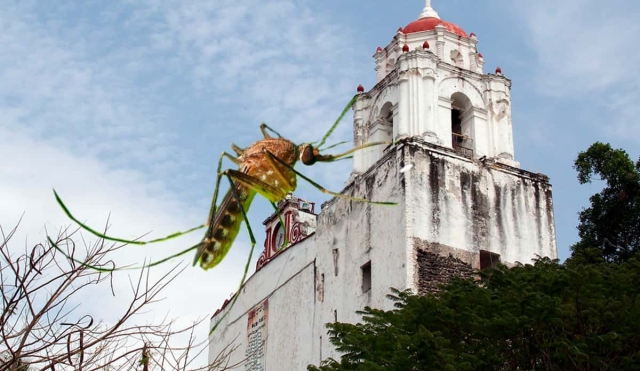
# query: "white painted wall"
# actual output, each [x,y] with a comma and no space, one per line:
[288,282]
[467,205]
[445,200]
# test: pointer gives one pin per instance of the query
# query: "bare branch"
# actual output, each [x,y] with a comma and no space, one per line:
[43,328]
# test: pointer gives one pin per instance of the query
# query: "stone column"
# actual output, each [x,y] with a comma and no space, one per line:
[359,112]
[401,130]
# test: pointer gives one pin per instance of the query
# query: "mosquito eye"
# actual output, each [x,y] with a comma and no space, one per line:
[307,156]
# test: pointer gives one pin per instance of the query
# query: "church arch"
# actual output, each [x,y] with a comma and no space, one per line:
[463,116]
[461,124]
[381,130]
[451,85]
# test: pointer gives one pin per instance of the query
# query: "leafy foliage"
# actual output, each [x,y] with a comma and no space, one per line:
[545,316]
[609,229]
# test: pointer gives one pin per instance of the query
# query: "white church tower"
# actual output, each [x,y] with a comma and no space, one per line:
[463,204]
[431,85]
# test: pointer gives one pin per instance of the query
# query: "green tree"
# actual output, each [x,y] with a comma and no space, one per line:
[546,316]
[609,228]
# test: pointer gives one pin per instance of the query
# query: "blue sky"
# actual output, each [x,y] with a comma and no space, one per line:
[125,106]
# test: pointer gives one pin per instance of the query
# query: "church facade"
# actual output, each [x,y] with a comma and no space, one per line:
[464,204]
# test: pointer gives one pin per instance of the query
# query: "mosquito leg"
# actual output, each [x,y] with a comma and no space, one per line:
[237,149]
[286,232]
[278,173]
[231,157]
[264,127]
[137,242]
[125,268]
[234,189]
[324,190]
[212,209]
[269,192]
[333,127]
[115,239]
[214,202]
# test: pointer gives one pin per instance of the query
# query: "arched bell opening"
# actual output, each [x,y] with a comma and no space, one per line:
[462,124]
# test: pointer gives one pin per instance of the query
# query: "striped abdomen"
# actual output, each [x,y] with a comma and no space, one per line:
[223,227]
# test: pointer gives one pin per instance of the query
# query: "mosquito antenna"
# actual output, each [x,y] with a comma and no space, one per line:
[343,158]
[349,152]
[344,112]
[334,145]
[321,188]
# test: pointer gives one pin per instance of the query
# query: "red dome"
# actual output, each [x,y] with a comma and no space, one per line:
[430,23]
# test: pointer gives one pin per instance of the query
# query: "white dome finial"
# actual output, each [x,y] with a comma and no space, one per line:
[428,11]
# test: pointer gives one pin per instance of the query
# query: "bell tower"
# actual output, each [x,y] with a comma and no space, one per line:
[463,203]
[431,86]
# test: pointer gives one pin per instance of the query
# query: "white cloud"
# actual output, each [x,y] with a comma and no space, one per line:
[278,58]
[56,84]
[92,191]
[586,52]
[92,102]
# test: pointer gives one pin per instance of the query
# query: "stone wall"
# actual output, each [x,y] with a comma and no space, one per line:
[438,265]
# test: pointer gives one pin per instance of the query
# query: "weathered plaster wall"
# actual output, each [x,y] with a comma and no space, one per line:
[361,233]
[449,208]
[471,206]
[288,281]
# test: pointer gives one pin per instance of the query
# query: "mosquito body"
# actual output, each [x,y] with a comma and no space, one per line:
[267,168]
[254,162]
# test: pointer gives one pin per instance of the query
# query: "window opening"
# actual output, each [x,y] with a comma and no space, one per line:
[489,259]
[321,288]
[459,141]
[456,126]
[366,277]
[336,255]
[389,116]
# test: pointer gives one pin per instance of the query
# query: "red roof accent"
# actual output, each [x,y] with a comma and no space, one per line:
[400,29]
[430,23]
[379,50]
[360,88]
[472,34]
[498,69]
[425,44]
[405,48]
[480,55]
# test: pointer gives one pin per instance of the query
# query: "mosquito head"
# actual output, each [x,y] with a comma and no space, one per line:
[308,154]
